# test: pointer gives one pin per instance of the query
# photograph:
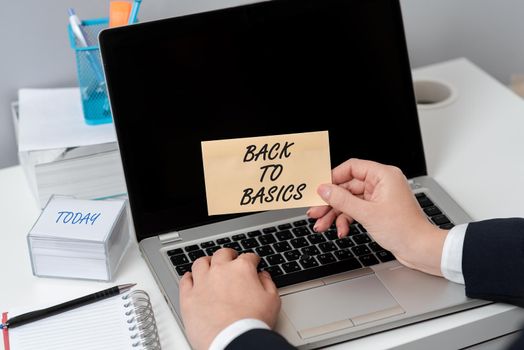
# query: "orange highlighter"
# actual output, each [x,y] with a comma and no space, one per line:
[119,13]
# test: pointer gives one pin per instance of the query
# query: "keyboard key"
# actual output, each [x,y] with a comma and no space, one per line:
[374,246]
[360,250]
[440,219]
[291,266]
[315,272]
[447,226]
[301,231]
[264,250]
[343,254]
[311,220]
[424,201]
[312,227]
[249,243]
[254,233]
[223,240]
[344,243]
[432,211]
[292,255]
[212,250]
[175,251]
[274,271]
[207,244]
[267,239]
[239,237]
[361,228]
[262,264]
[284,235]
[282,247]
[196,254]
[327,247]
[316,238]
[361,239]
[300,223]
[299,242]
[331,234]
[179,259]
[311,250]
[284,227]
[385,256]
[191,248]
[308,262]
[269,229]
[233,245]
[275,259]
[368,260]
[182,269]
[354,230]
[326,258]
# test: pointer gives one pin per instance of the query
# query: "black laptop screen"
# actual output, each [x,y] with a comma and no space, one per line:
[277,67]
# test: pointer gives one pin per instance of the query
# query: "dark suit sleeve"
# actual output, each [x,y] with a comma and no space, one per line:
[493,260]
[259,339]
[519,344]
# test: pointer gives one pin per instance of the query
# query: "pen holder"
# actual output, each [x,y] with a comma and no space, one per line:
[95,103]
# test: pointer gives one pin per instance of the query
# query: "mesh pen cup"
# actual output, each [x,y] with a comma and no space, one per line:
[95,103]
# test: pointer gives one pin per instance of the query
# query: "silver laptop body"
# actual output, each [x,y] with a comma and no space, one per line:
[276,67]
[339,307]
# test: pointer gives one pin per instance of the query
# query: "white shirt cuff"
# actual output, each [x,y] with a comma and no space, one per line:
[228,334]
[451,263]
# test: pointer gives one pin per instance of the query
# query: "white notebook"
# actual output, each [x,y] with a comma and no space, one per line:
[121,322]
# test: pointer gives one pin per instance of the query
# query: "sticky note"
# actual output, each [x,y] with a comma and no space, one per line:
[119,12]
[265,173]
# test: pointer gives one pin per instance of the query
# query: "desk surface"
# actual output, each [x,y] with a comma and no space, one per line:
[473,148]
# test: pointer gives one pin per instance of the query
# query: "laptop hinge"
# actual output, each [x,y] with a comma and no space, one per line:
[170,237]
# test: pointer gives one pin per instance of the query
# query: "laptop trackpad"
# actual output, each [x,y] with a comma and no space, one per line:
[339,305]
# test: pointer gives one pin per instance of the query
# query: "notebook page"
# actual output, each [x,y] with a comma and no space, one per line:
[101,325]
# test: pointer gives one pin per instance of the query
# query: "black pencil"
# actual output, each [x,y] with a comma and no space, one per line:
[68,305]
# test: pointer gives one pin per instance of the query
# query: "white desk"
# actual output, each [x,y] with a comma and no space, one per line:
[474,149]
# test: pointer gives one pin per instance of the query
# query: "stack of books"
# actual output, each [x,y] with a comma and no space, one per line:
[79,238]
[61,154]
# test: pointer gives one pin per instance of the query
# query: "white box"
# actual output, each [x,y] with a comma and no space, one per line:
[79,238]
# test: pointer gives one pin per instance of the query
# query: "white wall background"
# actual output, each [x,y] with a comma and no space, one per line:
[34,48]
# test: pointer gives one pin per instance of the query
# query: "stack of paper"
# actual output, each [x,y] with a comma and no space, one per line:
[60,153]
[78,238]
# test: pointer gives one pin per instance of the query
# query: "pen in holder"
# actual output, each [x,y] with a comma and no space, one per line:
[95,103]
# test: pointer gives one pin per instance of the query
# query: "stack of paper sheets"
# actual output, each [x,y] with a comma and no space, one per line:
[78,238]
[60,153]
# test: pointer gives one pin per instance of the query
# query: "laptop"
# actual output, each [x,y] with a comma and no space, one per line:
[272,68]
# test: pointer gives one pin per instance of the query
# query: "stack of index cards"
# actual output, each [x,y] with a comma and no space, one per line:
[79,238]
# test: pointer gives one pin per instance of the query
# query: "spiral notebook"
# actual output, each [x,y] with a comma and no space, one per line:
[121,322]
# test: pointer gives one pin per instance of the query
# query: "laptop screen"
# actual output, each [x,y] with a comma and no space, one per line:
[270,68]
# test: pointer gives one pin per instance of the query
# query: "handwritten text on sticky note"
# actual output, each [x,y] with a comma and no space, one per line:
[265,173]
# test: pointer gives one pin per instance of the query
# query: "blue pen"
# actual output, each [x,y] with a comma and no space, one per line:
[82,38]
[134,11]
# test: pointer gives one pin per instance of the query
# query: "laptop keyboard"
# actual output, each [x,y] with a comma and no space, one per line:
[292,252]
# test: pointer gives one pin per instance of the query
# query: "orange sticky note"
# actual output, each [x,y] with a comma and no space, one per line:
[265,173]
[119,13]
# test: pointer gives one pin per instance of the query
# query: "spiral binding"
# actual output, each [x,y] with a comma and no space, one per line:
[142,324]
